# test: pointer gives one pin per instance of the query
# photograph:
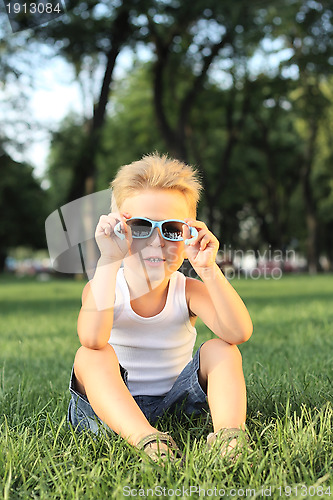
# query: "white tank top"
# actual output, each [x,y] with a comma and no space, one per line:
[153,350]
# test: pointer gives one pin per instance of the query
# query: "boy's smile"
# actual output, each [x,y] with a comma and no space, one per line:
[154,261]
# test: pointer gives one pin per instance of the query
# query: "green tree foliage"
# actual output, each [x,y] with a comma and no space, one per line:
[307,28]
[193,41]
[97,32]
[239,89]
[16,77]
[270,168]
[23,205]
[131,129]
[263,168]
[65,150]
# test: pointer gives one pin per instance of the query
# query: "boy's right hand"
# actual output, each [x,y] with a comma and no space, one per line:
[110,246]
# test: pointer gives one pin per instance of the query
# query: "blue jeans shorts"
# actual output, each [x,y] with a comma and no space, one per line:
[186,395]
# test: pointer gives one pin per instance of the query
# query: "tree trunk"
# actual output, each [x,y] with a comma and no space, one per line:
[85,169]
[84,174]
[3,255]
[309,202]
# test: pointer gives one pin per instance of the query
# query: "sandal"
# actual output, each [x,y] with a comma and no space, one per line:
[223,438]
[160,455]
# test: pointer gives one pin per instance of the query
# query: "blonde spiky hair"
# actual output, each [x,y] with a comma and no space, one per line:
[154,171]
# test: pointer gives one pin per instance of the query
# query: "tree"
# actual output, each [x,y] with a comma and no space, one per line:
[131,128]
[307,30]
[24,204]
[17,71]
[97,31]
[66,148]
[271,143]
[241,126]
[322,176]
[203,53]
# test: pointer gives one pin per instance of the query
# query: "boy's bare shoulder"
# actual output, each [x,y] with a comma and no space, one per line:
[85,291]
[194,285]
[195,289]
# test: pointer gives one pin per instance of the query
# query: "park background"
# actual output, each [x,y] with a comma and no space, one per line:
[243,91]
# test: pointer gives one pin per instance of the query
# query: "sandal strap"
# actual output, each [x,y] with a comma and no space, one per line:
[226,434]
[155,437]
[160,437]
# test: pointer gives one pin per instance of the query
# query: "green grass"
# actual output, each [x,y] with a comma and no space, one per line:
[288,370]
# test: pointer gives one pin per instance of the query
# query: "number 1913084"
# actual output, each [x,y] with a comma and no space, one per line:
[304,491]
[34,8]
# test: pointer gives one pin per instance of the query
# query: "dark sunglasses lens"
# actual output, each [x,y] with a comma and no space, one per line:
[140,228]
[173,230]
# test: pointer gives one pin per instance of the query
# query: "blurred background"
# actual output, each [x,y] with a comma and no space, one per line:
[242,90]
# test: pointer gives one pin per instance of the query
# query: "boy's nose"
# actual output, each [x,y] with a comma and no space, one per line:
[156,239]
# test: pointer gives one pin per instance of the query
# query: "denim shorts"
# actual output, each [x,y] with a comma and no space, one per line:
[186,396]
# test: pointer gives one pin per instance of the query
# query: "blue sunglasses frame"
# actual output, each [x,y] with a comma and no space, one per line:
[154,224]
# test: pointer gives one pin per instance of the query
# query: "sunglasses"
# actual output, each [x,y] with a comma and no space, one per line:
[170,229]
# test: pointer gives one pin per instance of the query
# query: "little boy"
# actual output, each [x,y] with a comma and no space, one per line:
[136,324]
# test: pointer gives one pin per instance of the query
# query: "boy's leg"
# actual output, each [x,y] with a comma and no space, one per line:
[221,376]
[98,376]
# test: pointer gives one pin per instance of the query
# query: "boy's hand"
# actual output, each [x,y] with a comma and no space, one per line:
[202,251]
[110,246]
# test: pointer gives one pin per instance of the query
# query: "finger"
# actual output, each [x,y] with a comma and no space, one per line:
[205,241]
[103,229]
[114,219]
[125,227]
[198,238]
[198,224]
[127,215]
[186,233]
[103,226]
[107,224]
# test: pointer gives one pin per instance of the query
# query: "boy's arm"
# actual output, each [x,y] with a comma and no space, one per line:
[220,307]
[213,299]
[96,315]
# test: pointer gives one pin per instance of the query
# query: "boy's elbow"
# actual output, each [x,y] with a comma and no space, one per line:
[246,333]
[91,344]
[92,341]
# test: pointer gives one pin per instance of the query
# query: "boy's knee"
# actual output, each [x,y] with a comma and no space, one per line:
[86,355]
[219,349]
[88,361]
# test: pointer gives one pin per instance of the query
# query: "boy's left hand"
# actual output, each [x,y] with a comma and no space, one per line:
[202,251]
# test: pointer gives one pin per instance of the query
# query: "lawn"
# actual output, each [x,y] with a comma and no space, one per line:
[288,369]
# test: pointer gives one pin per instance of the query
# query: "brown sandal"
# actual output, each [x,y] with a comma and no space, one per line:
[161,455]
[223,437]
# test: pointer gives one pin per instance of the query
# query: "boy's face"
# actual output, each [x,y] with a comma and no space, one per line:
[156,258]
